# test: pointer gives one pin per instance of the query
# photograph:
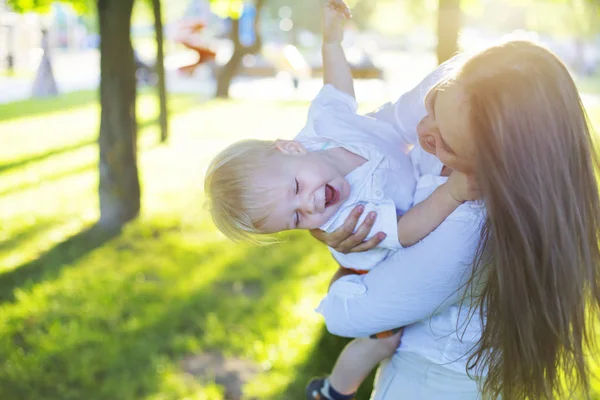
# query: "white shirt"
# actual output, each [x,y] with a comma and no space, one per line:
[416,287]
[384,184]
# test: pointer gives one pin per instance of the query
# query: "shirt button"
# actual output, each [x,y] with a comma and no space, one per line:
[378,193]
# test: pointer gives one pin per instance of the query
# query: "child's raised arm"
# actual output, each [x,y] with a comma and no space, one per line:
[336,70]
[425,217]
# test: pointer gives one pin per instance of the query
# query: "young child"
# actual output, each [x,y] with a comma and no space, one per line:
[339,160]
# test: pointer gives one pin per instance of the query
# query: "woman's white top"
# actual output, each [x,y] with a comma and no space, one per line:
[418,287]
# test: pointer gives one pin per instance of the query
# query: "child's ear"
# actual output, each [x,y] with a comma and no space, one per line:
[290,147]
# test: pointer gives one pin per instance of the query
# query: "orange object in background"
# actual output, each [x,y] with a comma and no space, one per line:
[188,35]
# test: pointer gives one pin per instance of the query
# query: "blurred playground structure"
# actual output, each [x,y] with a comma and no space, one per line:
[189,34]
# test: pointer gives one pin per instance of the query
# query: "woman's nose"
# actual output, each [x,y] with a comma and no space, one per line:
[426,129]
[426,126]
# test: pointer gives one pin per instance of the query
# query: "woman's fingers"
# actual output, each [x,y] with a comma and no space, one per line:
[352,241]
[369,244]
[345,239]
[320,235]
[334,239]
[347,229]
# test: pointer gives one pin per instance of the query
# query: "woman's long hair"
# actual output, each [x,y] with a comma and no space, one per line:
[539,251]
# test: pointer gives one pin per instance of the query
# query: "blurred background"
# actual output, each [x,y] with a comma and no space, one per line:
[114,284]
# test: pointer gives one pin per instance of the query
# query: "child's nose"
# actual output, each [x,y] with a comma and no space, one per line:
[309,205]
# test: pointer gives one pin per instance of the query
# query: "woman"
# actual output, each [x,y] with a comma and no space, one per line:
[497,300]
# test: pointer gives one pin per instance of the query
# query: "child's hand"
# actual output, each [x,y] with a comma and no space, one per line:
[462,187]
[334,15]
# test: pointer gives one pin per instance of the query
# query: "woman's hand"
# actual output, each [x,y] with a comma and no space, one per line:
[345,240]
[463,187]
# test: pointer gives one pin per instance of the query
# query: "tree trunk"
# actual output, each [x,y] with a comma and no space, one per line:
[448,28]
[119,184]
[160,70]
[229,70]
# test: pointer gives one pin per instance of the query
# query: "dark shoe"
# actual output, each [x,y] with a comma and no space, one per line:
[313,389]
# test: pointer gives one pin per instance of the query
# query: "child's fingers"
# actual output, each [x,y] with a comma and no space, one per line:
[339,6]
[343,8]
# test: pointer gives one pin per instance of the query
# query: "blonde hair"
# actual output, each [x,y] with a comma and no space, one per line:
[539,254]
[235,197]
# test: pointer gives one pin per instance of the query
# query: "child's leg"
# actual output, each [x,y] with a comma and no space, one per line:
[358,359]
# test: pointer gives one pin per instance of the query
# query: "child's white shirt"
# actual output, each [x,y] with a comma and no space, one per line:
[384,184]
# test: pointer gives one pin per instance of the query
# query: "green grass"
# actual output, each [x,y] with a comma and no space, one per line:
[17,73]
[91,315]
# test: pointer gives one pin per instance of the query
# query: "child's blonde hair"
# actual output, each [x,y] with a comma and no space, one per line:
[235,198]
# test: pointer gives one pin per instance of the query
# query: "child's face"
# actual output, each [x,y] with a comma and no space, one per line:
[305,189]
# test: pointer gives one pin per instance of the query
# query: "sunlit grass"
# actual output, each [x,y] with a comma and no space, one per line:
[85,315]
[17,73]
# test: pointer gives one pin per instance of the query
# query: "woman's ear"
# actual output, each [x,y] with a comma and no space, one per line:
[290,147]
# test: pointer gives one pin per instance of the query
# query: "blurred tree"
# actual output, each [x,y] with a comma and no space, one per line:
[448,22]
[119,182]
[448,26]
[303,16]
[119,187]
[160,70]
[250,44]
[580,18]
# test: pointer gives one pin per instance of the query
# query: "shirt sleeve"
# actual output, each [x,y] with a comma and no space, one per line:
[410,285]
[386,222]
[329,99]
[406,113]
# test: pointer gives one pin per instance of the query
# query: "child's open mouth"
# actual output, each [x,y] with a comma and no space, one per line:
[332,196]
